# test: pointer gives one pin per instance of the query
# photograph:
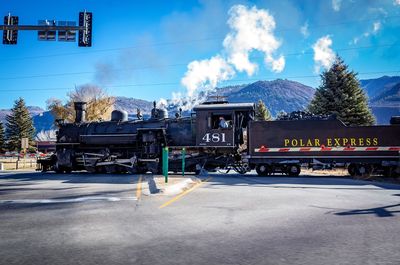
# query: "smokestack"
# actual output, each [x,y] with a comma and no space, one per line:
[80,111]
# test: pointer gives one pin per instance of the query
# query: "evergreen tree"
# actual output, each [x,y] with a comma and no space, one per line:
[19,125]
[340,93]
[262,112]
[2,137]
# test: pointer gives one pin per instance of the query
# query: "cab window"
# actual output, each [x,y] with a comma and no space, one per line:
[223,121]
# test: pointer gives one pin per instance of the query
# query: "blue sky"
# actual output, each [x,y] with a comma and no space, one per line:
[142,49]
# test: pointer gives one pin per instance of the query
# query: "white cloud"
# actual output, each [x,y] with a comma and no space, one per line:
[336,4]
[251,29]
[396,2]
[206,74]
[323,54]
[376,26]
[304,30]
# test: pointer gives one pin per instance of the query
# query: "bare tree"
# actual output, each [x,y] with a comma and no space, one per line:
[99,104]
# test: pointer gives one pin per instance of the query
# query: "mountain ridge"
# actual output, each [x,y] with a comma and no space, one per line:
[278,95]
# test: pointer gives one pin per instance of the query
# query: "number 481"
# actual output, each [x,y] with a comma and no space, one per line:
[214,137]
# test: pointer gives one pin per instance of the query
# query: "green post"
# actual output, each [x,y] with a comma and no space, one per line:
[165,163]
[183,161]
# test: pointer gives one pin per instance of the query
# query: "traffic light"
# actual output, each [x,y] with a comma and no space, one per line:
[85,35]
[10,36]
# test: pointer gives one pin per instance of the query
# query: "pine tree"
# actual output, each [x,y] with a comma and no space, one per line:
[340,94]
[19,125]
[262,112]
[2,137]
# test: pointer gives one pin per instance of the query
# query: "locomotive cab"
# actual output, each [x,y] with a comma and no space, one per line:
[222,124]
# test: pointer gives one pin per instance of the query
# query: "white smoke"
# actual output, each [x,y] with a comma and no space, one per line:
[251,29]
[323,54]
[206,74]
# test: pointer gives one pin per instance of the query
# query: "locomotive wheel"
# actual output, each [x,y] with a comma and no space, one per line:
[263,170]
[293,170]
[352,170]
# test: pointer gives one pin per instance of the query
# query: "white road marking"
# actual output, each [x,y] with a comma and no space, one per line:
[80,199]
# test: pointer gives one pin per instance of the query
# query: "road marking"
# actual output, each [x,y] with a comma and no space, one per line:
[139,188]
[80,199]
[184,193]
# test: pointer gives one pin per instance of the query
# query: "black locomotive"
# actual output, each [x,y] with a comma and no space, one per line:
[221,135]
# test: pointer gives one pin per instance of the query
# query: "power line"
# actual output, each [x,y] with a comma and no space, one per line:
[182,64]
[189,40]
[177,83]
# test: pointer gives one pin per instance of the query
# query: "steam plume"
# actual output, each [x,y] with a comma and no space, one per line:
[251,29]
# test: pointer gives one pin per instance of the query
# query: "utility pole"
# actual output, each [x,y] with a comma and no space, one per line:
[47,30]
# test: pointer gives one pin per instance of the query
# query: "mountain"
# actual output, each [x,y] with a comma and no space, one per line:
[384,97]
[390,96]
[376,86]
[33,110]
[278,95]
[131,105]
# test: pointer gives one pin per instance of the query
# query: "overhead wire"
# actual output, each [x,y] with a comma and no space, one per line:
[190,40]
[177,83]
[135,68]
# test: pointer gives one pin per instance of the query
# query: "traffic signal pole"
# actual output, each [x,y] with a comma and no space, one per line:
[11,28]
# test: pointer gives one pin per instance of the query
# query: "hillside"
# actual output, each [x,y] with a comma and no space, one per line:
[376,86]
[278,95]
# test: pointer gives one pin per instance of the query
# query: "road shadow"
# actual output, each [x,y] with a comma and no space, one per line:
[384,211]
[301,182]
[75,177]
[9,205]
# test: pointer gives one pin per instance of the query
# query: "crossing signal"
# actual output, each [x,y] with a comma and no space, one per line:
[85,35]
[10,36]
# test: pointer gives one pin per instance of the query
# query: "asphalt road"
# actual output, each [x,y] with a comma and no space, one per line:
[227,219]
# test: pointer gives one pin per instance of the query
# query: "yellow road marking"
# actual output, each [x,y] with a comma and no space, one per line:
[139,188]
[184,193]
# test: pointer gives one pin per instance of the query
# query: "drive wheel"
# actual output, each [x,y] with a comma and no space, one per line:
[352,170]
[263,170]
[293,170]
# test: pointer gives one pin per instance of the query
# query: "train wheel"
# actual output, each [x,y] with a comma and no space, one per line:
[363,170]
[263,170]
[352,170]
[293,170]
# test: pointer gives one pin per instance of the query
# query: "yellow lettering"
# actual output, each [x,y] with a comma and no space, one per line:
[375,141]
[345,141]
[337,141]
[368,140]
[352,141]
[309,143]
[286,142]
[294,142]
[301,142]
[316,142]
[329,142]
[360,141]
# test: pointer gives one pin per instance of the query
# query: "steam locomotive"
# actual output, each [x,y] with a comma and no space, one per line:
[122,145]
